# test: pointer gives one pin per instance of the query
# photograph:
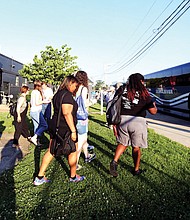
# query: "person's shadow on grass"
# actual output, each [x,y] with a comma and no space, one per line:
[9,157]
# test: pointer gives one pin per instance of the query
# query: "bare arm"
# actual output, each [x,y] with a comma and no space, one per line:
[19,104]
[85,97]
[38,99]
[67,112]
[153,110]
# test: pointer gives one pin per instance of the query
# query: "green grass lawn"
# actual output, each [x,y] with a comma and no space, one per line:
[6,123]
[163,192]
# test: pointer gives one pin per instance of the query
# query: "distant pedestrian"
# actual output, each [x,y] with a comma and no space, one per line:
[132,129]
[21,126]
[110,94]
[47,93]
[36,101]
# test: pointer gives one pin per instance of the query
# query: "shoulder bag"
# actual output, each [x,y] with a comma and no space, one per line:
[61,145]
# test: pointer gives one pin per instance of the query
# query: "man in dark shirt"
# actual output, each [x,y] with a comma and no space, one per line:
[132,129]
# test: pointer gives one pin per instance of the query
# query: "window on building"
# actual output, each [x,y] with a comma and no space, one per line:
[17,81]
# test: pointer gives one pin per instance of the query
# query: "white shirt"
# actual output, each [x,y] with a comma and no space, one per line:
[34,101]
[84,95]
[21,103]
[48,94]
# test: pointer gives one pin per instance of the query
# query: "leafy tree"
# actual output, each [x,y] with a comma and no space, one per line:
[99,84]
[52,66]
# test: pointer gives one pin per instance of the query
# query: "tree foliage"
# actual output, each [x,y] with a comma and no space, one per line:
[52,66]
[99,84]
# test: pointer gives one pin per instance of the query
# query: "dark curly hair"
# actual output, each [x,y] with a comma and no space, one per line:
[82,78]
[135,84]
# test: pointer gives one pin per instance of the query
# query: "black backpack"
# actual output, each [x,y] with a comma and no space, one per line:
[113,108]
[12,108]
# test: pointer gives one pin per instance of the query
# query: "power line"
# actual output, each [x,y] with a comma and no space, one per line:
[160,32]
[139,25]
[123,60]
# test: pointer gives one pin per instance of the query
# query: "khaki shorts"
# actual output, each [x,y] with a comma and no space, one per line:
[132,131]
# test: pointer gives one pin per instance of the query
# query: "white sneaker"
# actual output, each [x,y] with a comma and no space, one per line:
[79,167]
[38,181]
[90,147]
[34,140]
[90,158]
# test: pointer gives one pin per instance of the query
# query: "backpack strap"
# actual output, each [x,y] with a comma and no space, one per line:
[119,91]
[59,114]
[81,90]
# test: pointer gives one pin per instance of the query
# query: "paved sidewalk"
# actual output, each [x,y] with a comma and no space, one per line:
[4,108]
[9,156]
[174,128]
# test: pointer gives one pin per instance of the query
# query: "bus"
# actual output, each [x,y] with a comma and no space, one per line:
[170,88]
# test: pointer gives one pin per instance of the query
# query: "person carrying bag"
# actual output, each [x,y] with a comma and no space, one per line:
[61,145]
[62,125]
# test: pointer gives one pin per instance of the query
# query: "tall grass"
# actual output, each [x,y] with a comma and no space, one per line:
[162,192]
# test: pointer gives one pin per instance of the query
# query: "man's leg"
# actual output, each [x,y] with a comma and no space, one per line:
[119,151]
[72,160]
[113,165]
[136,154]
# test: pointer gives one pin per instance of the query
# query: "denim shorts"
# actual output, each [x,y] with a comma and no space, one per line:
[82,126]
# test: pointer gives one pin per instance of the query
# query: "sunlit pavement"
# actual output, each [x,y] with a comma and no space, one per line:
[173,128]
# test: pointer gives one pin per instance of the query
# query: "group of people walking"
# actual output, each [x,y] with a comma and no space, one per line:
[40,112]
[132,130]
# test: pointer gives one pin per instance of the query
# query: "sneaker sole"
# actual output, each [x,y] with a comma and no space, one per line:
[90,159]
[77,181]
[34,143]
[38,184]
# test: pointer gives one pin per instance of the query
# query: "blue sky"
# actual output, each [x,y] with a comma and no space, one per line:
[102,33]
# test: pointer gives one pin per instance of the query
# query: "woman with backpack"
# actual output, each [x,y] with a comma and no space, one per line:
[21,127]
[132,130]
[82,123]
